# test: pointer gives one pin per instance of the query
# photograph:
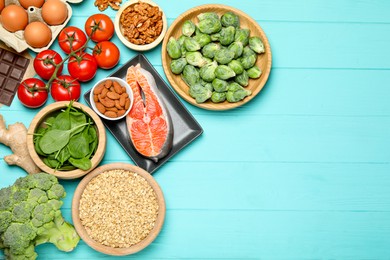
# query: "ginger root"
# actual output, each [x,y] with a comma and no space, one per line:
[16,138]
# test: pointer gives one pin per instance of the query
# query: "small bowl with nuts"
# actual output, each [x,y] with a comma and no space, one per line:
[111,98]
[140,25]
[118,209]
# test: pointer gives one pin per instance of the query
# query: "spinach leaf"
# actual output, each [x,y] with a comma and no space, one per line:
[62,120]
[52,163]
[37,147]
[92,133]
[76,119]
[54,140]
[63,155]
[67,168]
[78,146]
[50,121]
[83,163]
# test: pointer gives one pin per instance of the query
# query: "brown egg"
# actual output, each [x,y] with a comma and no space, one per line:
[37,34]
[54,12]
[2,3]
[27,3]
[14,18]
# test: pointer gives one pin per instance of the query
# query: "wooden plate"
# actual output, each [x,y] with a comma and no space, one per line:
[111,250]
[263,60]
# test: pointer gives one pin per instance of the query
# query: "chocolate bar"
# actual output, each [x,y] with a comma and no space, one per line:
[12,69]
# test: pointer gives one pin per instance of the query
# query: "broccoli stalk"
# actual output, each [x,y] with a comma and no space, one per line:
[30,215]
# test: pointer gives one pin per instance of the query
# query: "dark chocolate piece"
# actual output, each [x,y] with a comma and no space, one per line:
[13,66]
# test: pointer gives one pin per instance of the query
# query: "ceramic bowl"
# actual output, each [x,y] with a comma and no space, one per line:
[119,29]
[51,110]
[112,250]
[128,91]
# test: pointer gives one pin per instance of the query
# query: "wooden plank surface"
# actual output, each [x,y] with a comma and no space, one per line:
[301,171]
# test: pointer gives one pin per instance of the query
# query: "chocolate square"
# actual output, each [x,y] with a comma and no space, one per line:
[11,85]
[22,61]
[8,56]
[4,68]
[17,73]
[6,97]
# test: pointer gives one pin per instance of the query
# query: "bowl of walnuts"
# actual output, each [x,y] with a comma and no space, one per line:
[140,25]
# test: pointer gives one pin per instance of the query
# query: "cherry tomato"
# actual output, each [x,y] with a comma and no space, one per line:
[65,88]
[82,66]
[104,27]
[106,54]
[44,63]
[71,39]
[32,93]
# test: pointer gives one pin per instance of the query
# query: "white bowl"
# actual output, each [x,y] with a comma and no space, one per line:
[128,91]
[118,27]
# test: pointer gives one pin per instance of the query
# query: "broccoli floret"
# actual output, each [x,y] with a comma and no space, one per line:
[30,215]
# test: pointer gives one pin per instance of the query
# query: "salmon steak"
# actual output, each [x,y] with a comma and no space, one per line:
[148,122]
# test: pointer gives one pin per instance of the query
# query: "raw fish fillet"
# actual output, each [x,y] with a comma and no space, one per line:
[148,121]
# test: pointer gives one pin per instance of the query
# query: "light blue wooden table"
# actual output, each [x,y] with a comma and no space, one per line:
[300,172]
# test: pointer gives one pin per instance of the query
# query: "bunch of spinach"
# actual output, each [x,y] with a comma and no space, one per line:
[67,140]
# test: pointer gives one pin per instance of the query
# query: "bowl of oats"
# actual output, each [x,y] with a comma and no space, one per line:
[140,25]
[118,209]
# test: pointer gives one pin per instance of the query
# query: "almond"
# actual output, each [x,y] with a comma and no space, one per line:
[111,114]
[98,89]
[113,95]
[100,107]
[117,87]
[127,103]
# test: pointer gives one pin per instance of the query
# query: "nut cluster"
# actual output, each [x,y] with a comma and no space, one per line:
[104,4]
[141,23]
[118,208]
[111,99]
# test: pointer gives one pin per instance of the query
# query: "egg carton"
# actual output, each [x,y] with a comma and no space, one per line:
[16,40]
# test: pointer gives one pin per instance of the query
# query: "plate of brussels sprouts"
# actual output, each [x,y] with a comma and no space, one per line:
[216,57]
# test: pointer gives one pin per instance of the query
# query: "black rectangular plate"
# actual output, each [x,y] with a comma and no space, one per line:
[185,127]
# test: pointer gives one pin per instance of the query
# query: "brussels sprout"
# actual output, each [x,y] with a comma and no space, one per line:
[247,51]
[210,49]
[207,72]
[195,58]
[210,25]
[237,48]
[242,79]
[173,48]
[254,72]
[236,92]
[224,72]
[248,61]
[208,15]
[202,39]
[220,85]
[227,35]
[190,75]
[236,66]
[191,44]
[188,28]
[200,93]
[242,35]
[256,44]
[177,66]
[209,86]
[230,19]
[217,97]
[181,39]
[207,60]
[215,37]
[224,56]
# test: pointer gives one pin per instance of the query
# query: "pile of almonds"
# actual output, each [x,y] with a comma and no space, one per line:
[111,99]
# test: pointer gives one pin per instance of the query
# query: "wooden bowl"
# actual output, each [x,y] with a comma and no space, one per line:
[111,250]
[45,113]
[263,60]
[119,30]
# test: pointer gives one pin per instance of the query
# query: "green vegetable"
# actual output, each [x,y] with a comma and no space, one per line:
[217,97]
[220,85]
[177,66]
[191,44]
[237,48]
[256,44]
[190,75]
[83,163]
[224,72]
[200,93]
[209,86]
[30,215]
[202,39]
[182,47]
[195,58]
[188,28]
[236,66]
[230,19]
[242,79]
[248,61]
[254,72]
[173,48]
[242,35]
[247,51]
[210,25]
[215,37]
[227,35]
[210,49]
[208,15]
[207,72]
[224,56]
[236,93]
